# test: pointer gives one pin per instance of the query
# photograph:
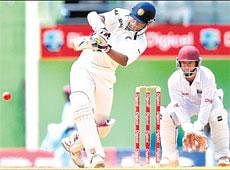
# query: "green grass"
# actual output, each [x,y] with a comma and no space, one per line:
[55,74]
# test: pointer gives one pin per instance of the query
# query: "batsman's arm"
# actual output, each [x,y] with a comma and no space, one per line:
[118,57]
[129,52]
[96,21]
[102,20]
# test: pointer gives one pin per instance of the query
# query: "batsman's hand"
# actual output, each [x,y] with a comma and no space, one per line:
[195,142]
[96,42]
[100,40]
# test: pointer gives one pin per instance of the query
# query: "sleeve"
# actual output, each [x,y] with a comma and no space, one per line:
[110,18]
[131,48]
[96,22]
[136,49]
[207,97]
[176,100]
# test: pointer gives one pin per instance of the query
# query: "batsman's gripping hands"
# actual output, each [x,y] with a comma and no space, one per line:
[100,40]
[194,139]
[97,42]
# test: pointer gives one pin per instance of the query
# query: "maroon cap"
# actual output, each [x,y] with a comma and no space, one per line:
[188,53]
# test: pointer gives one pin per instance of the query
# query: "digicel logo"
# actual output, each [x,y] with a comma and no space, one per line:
[170,40]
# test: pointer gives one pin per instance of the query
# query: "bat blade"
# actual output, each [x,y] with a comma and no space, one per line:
[81,43]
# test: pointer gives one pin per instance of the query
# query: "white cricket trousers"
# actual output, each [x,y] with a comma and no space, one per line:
[97,83]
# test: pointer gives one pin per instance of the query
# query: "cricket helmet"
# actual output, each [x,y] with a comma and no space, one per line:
[143,12]
[188,53]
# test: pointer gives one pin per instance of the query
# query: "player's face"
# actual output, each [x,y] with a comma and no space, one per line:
[188,67]
[134,25]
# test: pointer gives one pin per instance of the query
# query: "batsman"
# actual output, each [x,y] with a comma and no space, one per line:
[192,90]
[118,39]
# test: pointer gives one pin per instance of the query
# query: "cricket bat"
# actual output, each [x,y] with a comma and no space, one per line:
[82,43]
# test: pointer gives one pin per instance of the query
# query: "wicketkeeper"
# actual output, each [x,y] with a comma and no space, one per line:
[118,39]
[192,89]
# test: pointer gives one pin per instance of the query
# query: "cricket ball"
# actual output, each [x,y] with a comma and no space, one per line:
[6,95]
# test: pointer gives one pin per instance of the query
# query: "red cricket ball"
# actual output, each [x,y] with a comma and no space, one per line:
[6,95]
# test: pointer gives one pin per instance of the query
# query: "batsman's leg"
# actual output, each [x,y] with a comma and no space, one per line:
[73,145]
[73,142]
[85,121]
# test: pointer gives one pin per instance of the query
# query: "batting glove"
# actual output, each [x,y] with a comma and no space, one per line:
[100,40]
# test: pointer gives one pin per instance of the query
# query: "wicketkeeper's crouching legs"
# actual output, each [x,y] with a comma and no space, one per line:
[220,136]
[168,132]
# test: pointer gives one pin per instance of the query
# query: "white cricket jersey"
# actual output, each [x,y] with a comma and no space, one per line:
[121,40]
[195,98]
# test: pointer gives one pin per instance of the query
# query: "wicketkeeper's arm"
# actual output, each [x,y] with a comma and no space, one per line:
[176,100]
[207,99]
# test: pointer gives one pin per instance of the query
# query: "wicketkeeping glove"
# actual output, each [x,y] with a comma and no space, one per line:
[195,140]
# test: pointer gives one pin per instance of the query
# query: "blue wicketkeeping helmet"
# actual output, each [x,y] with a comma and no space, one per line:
[143,12]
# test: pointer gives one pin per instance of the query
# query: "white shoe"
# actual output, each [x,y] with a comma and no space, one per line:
[77,159]
[97,161]
[73,145]
[165,162]
[224,161]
